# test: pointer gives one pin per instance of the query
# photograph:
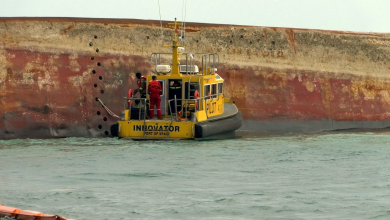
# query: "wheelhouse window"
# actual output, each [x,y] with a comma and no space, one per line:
[214,90]
[162,87]
[194,86]
[207,91]
[220,88]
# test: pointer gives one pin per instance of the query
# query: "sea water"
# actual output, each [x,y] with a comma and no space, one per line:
[289,176]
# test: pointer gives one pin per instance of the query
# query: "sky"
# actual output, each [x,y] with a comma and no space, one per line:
[344,15]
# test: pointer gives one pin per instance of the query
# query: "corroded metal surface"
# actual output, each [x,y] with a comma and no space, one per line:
[53,69]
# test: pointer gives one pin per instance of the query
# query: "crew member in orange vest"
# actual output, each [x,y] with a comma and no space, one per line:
[155,91]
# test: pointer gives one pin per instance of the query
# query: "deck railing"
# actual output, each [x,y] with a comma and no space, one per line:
[201,106]
[208,61]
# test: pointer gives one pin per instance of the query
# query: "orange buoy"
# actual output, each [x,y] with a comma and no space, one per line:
[196,96]
[6,211]
[130,95]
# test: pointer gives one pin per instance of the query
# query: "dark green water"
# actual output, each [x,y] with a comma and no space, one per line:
[319,176]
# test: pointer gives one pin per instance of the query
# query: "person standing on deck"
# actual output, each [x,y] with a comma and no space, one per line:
[155,91]
[141,82]
[175,90]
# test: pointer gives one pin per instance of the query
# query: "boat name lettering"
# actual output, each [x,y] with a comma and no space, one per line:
[156,128]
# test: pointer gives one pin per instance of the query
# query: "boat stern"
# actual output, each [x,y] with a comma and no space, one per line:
[156,129]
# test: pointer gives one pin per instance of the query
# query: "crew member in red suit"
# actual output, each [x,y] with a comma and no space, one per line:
[155,91]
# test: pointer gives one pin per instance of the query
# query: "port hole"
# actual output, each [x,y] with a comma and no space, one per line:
[98,63]
[97,99]
[101,77]
[90,44]
[106,132]
[93,71]
[102,91]
[92,58]
[97,50]
[100,126]
[98,112]
[104,119]
[95,85]
[95,37]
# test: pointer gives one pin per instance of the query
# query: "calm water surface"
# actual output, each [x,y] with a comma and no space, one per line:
[317,176]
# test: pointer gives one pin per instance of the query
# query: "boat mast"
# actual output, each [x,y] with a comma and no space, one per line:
[175,52]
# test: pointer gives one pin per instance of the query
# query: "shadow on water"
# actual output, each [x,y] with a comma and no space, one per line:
[237,135]
[258,134]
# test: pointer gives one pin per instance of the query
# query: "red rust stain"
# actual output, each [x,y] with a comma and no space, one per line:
[5,24]
[280,54]
[291,39]
[190,30]
[10,74]
[265,53]
[265,33]
[248,52]
[66,30]
[66,98]
[303,95]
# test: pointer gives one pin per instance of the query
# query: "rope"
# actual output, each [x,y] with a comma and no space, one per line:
[162,34]
[108,110]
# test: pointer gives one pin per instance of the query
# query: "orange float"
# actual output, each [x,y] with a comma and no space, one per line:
[12,212]
[196,96]
[129,95]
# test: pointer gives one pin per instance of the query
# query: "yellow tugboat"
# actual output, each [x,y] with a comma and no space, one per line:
[193,105]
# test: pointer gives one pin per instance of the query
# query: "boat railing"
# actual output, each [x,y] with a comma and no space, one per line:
[139,111]
[209,61]
[173,115]
[187,101]
[201,107]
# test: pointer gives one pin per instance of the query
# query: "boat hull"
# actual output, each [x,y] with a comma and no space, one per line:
[156,129]
[224,126]
[166,129]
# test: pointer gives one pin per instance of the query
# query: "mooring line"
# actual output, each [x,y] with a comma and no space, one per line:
[108,110]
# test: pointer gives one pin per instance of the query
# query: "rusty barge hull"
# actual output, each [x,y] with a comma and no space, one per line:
[52,71]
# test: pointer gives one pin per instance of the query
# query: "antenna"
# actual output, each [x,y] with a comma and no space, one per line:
[185,14]
[183,18]
[162,34]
